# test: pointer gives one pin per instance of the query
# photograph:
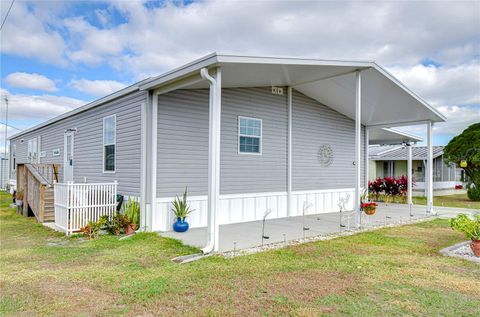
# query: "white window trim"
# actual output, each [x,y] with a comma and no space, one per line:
[114,143]
[249,136]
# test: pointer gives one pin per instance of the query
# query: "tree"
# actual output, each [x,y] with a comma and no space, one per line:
[466,147]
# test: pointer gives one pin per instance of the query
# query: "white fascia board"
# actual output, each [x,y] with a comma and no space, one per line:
[384,72]
[83,108]
[242,59]
[216,59]
[179,72]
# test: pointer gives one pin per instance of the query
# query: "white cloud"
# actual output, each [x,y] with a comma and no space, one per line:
[97,88]
[29,34]
[148,41]
[31,81]
[395,33]
[38,107]
[444,85]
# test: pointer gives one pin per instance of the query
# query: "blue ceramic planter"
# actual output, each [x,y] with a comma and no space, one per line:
[180,225]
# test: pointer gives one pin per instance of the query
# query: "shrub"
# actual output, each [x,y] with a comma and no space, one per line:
[117,223]
[470,227]
[92,229]
[473,193]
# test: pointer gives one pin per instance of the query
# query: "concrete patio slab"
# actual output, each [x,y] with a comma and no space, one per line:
[249,234]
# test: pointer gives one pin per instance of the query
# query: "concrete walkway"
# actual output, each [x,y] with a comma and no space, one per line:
[249,234]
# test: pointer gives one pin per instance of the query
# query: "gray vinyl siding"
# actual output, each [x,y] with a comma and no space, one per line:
[314,125]
[250,173]
[183,143]
[88,143]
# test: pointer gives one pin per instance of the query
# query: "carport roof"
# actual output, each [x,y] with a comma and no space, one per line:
[385,100]
[389,136]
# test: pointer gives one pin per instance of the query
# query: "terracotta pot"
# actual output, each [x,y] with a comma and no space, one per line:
[130,229]
[475,246]
[370,211]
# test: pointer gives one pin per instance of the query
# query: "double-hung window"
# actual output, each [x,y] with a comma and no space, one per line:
[249,135]
[109,143]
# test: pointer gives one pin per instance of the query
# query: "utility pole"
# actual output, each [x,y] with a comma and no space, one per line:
[4,183]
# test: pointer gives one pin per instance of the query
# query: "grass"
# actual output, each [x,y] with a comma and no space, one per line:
[456,201]
[388,272]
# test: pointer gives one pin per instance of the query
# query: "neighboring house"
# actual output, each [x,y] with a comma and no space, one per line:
[392,161]
[243,134]
[4,171]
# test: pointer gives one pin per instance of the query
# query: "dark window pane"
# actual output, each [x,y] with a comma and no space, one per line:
[249,145]
[109,159]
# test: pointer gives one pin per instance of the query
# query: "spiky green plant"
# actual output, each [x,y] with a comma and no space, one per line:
[131,209]
[180,206]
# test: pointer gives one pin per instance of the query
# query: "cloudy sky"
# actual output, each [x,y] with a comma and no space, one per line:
[56,56]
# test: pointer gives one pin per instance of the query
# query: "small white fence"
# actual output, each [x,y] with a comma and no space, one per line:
[77,204]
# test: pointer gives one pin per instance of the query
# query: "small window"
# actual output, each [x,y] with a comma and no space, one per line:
[249,135]
[109,140]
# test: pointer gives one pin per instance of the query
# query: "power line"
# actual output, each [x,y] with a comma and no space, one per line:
[6,16]
[10,126]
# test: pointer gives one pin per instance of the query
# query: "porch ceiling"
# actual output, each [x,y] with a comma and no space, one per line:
[385,101]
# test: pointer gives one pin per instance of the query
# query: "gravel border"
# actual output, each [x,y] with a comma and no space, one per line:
[461,250]
[281,245]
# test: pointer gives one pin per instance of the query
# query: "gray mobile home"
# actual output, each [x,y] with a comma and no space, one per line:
[243,134]
[392,161]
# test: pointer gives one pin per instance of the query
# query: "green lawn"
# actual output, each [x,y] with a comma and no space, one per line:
[388,272]
[457,200]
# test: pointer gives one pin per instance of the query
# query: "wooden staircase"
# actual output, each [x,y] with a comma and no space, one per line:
[36,181]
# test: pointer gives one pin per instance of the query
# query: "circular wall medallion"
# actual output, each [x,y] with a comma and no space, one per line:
[325,155]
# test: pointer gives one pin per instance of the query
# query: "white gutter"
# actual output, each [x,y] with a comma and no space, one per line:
[210,247]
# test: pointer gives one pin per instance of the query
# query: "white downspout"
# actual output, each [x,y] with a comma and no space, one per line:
[213,162]
[358,131]
[409,176]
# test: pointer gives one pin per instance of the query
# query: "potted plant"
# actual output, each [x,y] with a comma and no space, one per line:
[181,210]
[131,210]
[471,228]
[19,198]
[369,208]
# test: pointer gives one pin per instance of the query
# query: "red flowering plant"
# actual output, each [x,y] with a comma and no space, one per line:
[369,207]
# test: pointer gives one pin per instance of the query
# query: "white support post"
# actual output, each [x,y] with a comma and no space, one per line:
[143,167]
[367,154]
[409,176]
[430,167]
[358,131]
[289,172]
[213,202]
[217,132]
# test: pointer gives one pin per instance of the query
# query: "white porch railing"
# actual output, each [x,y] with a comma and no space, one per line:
[77,204]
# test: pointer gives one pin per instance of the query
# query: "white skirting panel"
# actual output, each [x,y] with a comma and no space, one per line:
[250,207]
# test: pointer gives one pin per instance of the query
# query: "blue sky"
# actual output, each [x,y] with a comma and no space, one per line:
[56,56]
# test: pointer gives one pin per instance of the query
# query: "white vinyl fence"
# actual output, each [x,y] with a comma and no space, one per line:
[77,204]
